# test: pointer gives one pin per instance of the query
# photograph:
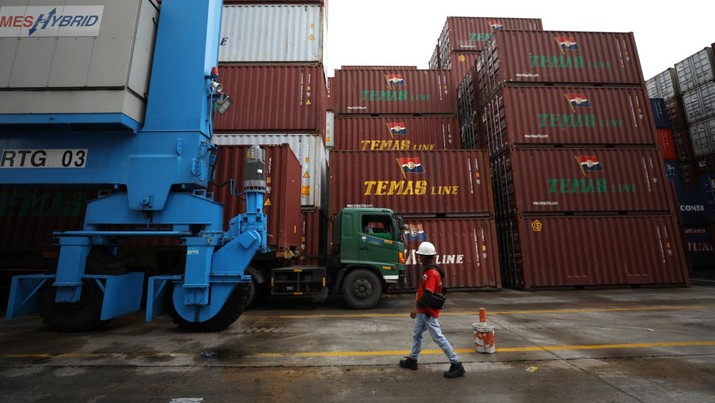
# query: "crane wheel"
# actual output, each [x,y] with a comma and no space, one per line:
[229,313]
[80,316]
[362,289]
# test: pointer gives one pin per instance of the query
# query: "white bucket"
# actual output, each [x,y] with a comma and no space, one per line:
[484,338]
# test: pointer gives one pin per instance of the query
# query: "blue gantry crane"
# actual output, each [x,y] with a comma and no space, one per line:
[122,94]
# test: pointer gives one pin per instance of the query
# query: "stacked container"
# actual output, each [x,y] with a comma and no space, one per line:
[396,145]
[458,47]
[581,193]
[271,67]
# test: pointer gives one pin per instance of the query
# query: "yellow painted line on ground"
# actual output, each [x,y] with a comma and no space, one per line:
[519,312]
[377,353]
[319,354]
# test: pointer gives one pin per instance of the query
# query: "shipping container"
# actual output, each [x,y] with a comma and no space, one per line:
[459,65]
[583,180]
[393,91]
[281,202]
[94,72]
[676,112]
[434,62]
[471,33]
[660,113]
[322,2]
[691,203]
[275,33]
[695,70]
[28,217]
[312,240]
[558,57]
[310,152]
[396,133]
[431,183]
[663,85]
[467,97]
[538,252]
[566,115]
[329,128]
[699,103]
[467,251]
[702,136]
[700,246]
[674,173]
[376,68]
[665,144]
[280,98]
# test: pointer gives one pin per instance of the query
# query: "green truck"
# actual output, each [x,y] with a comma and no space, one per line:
[366,255]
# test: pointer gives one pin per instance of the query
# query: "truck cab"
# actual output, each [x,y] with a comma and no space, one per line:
[366,255]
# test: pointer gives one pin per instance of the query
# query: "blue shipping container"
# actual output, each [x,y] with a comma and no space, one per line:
[673,172]
[700,246]
[692,206]
[660,113]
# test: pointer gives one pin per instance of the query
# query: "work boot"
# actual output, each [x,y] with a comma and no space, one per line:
[455,370]
[409,363]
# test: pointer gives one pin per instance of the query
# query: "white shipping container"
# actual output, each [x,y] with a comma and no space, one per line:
[272,33]
[308,148]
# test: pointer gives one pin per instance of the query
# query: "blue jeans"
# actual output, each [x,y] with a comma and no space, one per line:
[422,323]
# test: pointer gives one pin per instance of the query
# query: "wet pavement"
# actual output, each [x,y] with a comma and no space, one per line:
[613,345]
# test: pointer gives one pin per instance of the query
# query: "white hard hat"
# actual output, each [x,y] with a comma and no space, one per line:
[426,248]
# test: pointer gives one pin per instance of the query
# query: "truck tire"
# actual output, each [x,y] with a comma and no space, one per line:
[362,289]
[229,313]
[81,316]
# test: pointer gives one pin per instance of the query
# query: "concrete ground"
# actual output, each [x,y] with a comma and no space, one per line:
[617,345]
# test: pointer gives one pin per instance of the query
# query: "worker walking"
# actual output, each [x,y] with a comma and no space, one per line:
[426,316]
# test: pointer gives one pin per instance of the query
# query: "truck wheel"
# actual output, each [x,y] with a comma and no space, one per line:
[229,313]
[81,316]
[362,289]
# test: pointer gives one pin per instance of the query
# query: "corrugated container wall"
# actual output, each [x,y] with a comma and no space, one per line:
[28,217]
[282,198]
[396,133]
[279,98]
[471,33]
[447,182]
[660,113]
[558,57]
[663,85]
[321,2]
[591,251]
[310,152]
[467,251]
[665,144]
[393,91]
[580,180]
[272,34]
[702,136]
[696,70]
[312,240]
[699,103]
[566,115]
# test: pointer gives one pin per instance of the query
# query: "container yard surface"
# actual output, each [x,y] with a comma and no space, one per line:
[616,345]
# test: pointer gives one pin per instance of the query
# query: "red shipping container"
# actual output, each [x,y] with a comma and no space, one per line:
[276,97]
[459,66]
[467,251]
[665,144]
[412,182]
[312,236]
[396,133]
[558,57]
[281,201]
[591,251]
[566,115]
[392,91]
[580,180]
[471,33]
